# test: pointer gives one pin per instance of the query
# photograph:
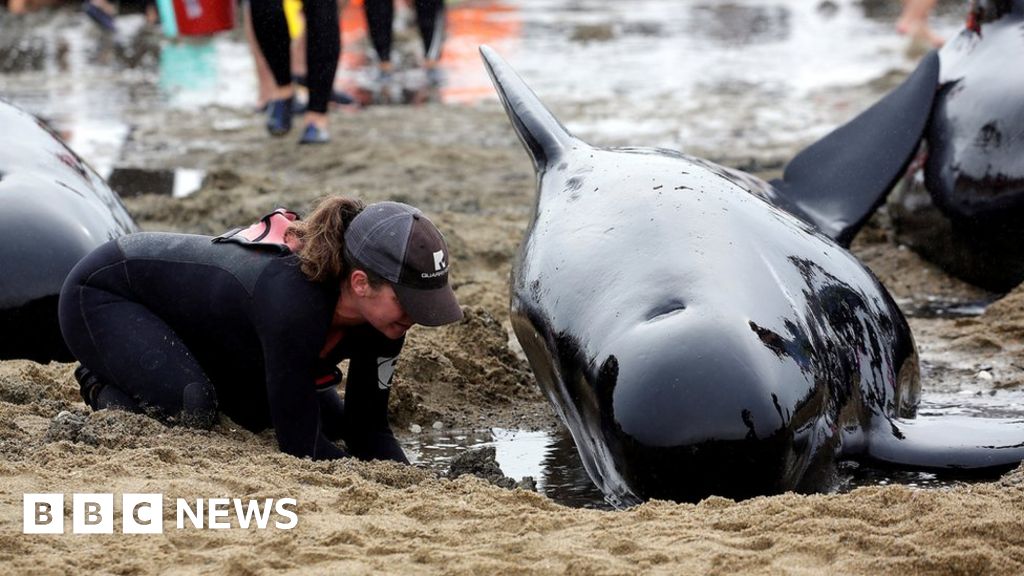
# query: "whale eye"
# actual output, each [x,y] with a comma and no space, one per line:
[665,310]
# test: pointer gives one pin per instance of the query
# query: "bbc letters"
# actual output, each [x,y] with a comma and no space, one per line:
[95,513]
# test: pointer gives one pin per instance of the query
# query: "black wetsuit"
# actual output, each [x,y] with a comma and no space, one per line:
[380,15]
[178,324]
[323,45]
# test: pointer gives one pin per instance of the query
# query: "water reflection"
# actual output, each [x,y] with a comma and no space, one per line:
[939,307]
[550,458]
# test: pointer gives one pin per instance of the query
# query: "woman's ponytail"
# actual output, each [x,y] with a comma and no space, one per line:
[321,237]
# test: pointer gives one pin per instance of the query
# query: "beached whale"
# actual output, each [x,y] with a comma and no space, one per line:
[962,204]
[54,209]
[699,336]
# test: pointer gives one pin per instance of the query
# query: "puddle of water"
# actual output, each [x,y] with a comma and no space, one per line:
[550,459]
[936,307]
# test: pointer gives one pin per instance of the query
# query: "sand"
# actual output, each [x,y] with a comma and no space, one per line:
[465,168]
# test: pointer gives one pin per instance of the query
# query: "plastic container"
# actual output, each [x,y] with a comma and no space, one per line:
[204,17]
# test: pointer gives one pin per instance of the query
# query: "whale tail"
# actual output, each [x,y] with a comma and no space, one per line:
[541,133]
[837,182]
[960,445]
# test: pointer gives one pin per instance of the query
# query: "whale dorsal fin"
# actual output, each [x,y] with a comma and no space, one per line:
[541,133]
[838,181]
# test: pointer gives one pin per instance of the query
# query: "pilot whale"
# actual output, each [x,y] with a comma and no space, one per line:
[699,335]
[962,203]
[55,209]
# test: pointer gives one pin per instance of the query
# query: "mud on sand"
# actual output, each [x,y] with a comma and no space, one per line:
[467,171]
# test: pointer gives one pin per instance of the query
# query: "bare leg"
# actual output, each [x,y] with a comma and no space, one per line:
[913,22]
[299,67]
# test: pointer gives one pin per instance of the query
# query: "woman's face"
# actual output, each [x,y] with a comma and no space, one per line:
[381,309]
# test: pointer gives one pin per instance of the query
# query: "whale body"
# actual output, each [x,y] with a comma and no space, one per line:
[54,209]
[697,331]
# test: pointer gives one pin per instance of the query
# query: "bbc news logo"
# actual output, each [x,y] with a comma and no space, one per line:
[143,513]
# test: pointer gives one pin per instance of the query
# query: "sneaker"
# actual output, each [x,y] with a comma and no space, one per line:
[342,97]
[313,134]
[435,77]
[89,385]
[279,116]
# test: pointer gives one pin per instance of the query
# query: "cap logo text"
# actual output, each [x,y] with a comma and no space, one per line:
[439,260]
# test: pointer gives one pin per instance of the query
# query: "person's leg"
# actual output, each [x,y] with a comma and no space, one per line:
[131,358]
[380,16]
[323,48]
[430,19]
[913,21]
[264,78]
[299,67]
[270,27]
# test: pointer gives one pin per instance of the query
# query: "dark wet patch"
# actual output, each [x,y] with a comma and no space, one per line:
[734,24]
[593,33]
[130,182]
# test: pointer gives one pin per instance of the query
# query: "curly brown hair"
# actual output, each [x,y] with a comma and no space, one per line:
[321,238]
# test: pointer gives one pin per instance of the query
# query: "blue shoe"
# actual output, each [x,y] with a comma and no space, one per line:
[314,135]
[342,97]
[279,116]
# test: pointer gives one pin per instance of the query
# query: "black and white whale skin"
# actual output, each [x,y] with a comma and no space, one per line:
[54,209]
[962,206]
[697,338]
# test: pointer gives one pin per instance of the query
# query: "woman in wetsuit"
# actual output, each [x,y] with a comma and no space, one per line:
[253,324]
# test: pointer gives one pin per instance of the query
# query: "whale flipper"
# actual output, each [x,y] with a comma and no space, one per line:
[838,181]
[541,133]
[961,444]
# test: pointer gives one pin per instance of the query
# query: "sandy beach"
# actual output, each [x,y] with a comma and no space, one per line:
[465,168]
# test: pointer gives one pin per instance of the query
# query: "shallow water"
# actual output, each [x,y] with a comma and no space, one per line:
[552,461]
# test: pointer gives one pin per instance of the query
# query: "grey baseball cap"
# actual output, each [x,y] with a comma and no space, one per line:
[403,246]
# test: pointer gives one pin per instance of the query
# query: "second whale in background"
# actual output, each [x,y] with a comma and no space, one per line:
[962,203]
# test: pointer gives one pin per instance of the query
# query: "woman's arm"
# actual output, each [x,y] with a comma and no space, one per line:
[368,434]
[292,321]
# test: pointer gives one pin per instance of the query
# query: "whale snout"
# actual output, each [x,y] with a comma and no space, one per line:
[696,418]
